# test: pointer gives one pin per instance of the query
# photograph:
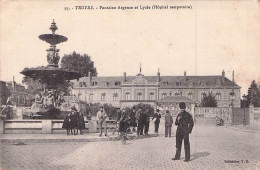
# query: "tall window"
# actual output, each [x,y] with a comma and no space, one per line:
[218,96]
[91,97]
[202,95]
[103,96]
[127,96]
[164,95]
[139,96]
[151,96]
[115,96]
[190,95]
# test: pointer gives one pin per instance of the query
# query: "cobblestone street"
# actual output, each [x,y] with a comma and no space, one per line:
[211,148]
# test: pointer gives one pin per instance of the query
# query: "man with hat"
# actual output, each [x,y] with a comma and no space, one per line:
[184,123]
[156,120]
[101,117]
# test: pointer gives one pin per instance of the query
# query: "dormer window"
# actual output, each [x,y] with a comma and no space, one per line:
[218,82]
[84,84]
[165,83]
[106,83]
[203,83]
[178,83]
[94,83]
[117,83]
[190,83]
[80,84]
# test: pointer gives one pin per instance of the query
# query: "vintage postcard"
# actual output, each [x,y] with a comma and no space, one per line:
[130,84]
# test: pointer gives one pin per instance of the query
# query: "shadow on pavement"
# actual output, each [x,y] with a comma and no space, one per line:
[199,155]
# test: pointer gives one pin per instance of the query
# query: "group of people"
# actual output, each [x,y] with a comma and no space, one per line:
[74,122]
[141,120]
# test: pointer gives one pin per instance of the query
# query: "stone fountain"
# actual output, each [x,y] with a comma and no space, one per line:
[51,76]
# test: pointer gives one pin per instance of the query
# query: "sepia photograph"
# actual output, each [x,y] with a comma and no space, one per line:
[129,84]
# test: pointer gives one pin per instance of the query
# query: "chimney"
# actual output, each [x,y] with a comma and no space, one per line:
[13,84]
[233,76]
[158,75]
[223,76]
[124,76]
[90,76]
[185,74]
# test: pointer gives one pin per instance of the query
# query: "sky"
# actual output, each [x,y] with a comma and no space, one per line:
[211,37]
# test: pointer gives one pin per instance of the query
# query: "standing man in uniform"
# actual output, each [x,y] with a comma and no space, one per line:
[168,124]
[184,123]
[101,117]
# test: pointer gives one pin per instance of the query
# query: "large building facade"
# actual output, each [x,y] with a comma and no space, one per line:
[126,91]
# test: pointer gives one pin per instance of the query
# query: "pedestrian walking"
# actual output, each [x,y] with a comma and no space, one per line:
[101,117]
[67,123]
[184,123]
[81,123]
[156,119]
[168,124]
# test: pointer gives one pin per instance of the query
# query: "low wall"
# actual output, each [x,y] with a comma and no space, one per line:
[209,114]
[45,126]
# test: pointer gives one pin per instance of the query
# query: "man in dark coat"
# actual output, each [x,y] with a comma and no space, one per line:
[74,121]
[133,123]
[185,124]
[66,124]
[146,122]
[140,121]
[156,119]
[81,123]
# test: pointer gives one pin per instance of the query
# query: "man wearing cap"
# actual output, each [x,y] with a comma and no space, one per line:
[101,117]
[184,123]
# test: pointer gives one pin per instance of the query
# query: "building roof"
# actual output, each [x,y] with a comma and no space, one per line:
[165,81]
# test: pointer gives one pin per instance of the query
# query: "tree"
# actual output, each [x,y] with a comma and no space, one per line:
[4,93]
[79,63]
[33,86]
[253,95]
[209,100]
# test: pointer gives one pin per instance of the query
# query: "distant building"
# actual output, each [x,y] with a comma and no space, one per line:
[129,90]
[18,93]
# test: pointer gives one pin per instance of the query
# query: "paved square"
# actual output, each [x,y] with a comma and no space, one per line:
[211,148]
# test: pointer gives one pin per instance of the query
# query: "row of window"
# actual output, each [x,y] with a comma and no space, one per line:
[190,95]
[94,83]
[140,96]
[103,96]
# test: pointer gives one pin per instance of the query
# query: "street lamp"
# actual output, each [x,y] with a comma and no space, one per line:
[244,100]
[232,96]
